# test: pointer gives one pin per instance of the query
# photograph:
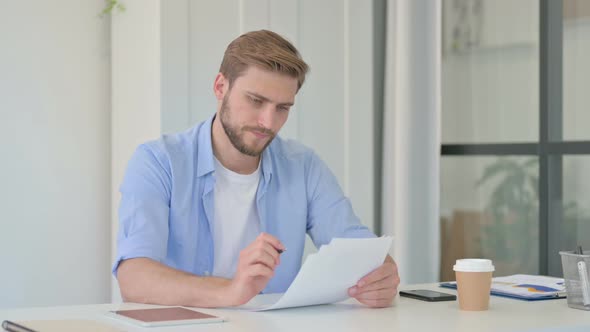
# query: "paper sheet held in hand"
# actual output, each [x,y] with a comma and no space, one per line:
[326,275]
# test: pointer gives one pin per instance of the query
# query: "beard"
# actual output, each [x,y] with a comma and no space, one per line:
[236,134]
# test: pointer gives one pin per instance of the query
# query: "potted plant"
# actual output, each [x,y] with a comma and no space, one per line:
[510,237]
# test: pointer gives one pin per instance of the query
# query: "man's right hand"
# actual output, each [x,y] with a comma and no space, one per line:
[256,266]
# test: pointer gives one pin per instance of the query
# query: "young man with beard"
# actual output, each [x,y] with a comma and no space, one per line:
[205,214]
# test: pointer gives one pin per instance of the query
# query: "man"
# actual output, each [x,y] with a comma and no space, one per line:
[215,215]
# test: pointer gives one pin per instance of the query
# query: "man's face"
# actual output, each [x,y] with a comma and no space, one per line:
[255,109]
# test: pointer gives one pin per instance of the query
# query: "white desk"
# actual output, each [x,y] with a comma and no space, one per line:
[405,315]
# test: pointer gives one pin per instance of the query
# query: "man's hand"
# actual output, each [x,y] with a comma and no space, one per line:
[378,288]
[256,266]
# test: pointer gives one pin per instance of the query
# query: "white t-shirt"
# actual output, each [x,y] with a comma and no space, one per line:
[236,221]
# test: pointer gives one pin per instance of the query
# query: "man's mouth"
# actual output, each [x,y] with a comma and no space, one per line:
[261,133]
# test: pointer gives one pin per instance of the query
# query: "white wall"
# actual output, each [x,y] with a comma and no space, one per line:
[136,93]
[55,153]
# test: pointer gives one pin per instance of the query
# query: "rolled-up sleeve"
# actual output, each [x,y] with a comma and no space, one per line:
[144,206]
[330,213]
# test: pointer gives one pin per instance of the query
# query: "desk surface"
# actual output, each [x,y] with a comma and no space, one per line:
[405,315]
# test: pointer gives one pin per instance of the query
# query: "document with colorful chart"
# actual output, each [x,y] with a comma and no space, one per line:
[524,287]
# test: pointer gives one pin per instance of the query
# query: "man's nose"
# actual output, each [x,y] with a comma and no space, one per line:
[266,116]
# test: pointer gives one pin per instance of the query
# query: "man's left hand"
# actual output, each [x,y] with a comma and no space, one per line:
[378,288]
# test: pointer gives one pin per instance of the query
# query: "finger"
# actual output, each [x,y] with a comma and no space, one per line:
[382,272]
[355,291]
[273,241]
[260,245]
[259,270]
[259,256]
[384,295]
[387,282]
[269,249]
[378,303]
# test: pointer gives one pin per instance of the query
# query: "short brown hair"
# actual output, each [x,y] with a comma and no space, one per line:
[266,50]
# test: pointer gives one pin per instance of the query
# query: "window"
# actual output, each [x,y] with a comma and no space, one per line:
[515,131]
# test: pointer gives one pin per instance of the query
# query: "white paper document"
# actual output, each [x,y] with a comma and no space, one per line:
[326,275]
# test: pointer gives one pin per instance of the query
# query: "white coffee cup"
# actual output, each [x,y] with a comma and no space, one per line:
[474,281]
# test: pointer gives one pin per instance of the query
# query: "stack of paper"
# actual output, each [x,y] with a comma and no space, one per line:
[326,275]
[524,287]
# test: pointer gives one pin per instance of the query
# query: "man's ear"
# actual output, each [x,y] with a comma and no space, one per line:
[220,86]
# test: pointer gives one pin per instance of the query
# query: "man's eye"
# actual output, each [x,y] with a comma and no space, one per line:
[284,108]
[255,101]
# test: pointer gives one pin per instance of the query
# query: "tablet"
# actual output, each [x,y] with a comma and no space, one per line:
[164,316]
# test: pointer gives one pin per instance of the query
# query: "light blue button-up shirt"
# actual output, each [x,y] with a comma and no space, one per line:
[166,209]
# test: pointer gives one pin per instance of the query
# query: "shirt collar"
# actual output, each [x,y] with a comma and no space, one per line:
[205,163]
[267,163]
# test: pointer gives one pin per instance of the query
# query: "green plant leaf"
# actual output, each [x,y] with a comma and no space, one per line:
[531,162]
[110,6]
[492,170]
